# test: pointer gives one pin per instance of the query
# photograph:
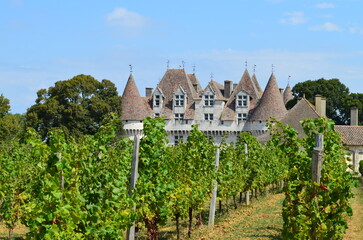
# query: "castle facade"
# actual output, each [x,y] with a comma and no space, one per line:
[220,110]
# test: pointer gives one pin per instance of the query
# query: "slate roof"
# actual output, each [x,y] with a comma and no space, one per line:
[246,84]
[172,79]
[217,87]
[257,85]
[303,109]
[134,107]
[195,81]
[351,135]
[287,94]
[271,103]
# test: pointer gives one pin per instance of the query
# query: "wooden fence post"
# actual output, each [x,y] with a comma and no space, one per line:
[212,208]
[134,175]
[317,161]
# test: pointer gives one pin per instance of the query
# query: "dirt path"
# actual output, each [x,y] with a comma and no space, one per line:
[262,220]
[355,230]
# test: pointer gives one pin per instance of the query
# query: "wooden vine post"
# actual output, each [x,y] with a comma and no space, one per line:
[212,208]
[317,162]
[134,175]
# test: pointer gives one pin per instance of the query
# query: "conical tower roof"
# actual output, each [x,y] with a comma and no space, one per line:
[271,103]
[287,94]
[133,106]
[255,82]
[131,88]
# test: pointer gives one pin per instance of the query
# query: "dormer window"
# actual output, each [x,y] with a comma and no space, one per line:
[157,101]
[208,100]
[179,100]
[208,116]
[179,116]
[242,116]
[242,101]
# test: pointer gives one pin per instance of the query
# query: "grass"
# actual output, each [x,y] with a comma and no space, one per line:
[261,220]
[355,223]
[19,232]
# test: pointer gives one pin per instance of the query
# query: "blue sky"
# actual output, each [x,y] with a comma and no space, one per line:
[42,42]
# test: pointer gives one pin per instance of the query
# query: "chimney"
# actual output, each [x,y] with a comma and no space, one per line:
[227,88]
[320,105]
[281,91]
[235,85]
[354,116]
[195,86]
[148,91]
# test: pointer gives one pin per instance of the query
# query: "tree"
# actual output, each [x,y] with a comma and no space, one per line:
[77,106]
[355,100]
[4,106]
[11,125]
[335,92]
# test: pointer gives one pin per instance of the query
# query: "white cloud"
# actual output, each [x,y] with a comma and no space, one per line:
[356,30]
[328,26]
[126,19]
[294,18]
[324,5]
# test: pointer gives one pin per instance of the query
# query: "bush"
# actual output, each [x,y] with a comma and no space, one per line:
[361,167]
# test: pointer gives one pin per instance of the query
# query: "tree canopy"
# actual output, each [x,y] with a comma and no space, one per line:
[4,105]
[77,106]
[11,125]
[337,94]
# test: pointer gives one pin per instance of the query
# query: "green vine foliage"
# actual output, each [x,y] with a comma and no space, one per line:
[104,184]
[200,156]
[16,171]
[81,190]
[311,210]
[154,186]
[252,161]
[231,172]
[54,209]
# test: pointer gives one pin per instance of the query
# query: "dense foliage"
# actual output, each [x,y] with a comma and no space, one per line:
[11,125]
[67,189]
[77,106]
[312,210]
[335,92]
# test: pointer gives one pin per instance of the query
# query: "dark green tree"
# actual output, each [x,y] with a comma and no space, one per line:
[11,125]
[335,92]
[354,100]
[77,106]
[4,106]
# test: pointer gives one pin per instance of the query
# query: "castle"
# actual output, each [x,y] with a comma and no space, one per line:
[220,110]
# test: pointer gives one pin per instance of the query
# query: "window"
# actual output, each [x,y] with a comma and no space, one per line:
[242,116]
[208,116]
[179,100]
[242,101]
[179,116]
[156,100]
[157,114]
[208,100]
[177,139]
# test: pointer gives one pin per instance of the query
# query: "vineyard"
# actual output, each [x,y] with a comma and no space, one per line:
[80,189]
